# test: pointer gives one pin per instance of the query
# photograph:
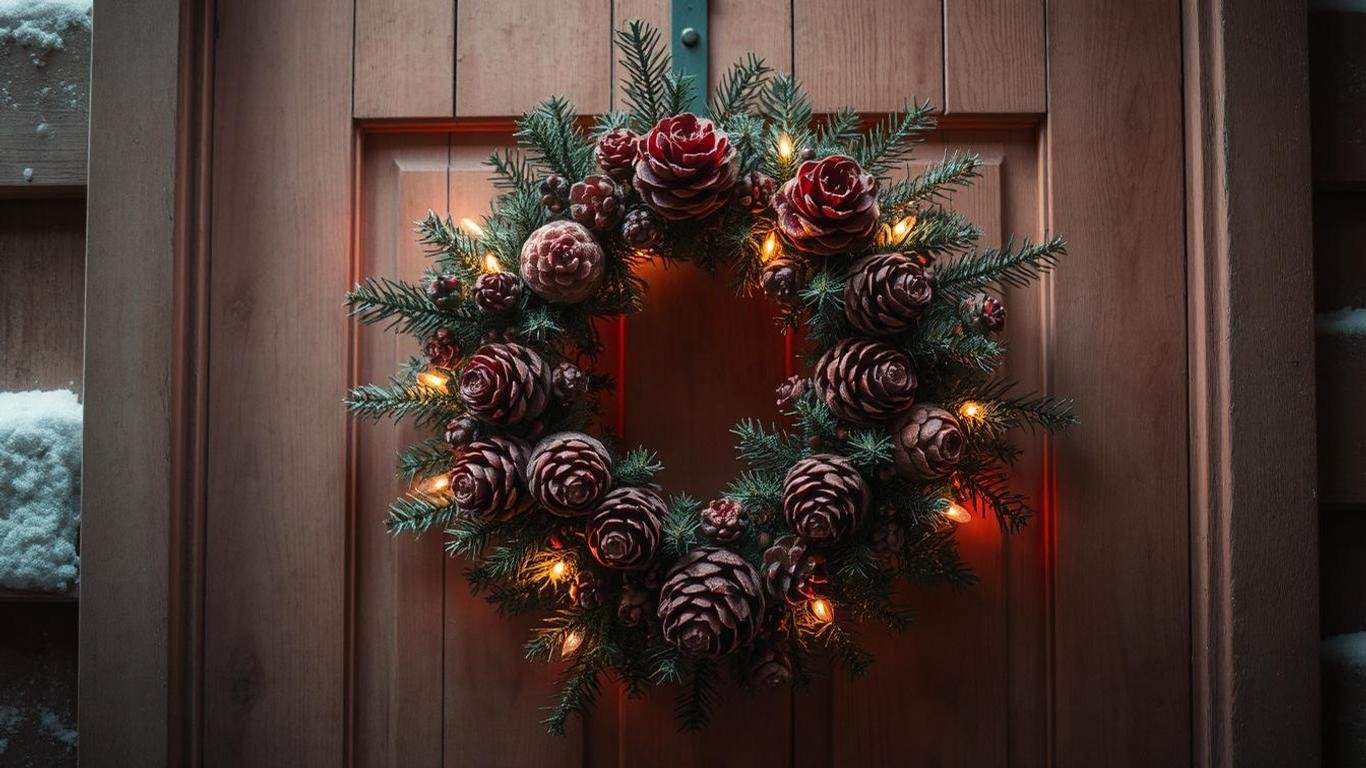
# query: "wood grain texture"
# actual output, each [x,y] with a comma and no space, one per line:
[740,27]
[994,56]
[276,515]
[42,293]
[870,55]
[405,58]
[1337,65]
[44,114]
[511,54]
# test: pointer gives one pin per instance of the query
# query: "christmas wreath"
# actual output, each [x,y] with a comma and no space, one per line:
[898,429]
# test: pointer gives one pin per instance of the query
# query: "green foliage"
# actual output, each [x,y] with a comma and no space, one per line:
[935,185]
[680,525]
[419,512]
[739,89]
[890,142]
[637,467]
[553,139]
[1006,266]
[426,458]
[405,306]
[424,404]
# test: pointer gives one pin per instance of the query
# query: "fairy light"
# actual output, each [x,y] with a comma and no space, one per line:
[433,379]
[471,226]
[571,643]
[822,609]
[903,228]
[437,485]
[770,248]
[491,264]
[970,410]
[785,147]
[558,570]
[957,513]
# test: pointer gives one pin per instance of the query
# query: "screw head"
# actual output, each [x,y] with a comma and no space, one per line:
[690,37]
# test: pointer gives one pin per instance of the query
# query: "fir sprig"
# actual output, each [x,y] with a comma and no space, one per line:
[890,141]
[1006,266]
[739,89]
[646,65]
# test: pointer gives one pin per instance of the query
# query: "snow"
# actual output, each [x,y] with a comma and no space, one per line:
[38,25]
[58,729]
[1348,321]
[40,470]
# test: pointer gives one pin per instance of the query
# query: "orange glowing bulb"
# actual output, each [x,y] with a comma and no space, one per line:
[823,610]
[957,513]
[471,226]
[558,570]
[970,410]
[785,147]
[770,248]
[572,641]
[903,228]
[433,380]
[436,485]
[491,264]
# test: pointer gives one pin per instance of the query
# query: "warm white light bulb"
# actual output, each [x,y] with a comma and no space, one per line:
[822,610]
[471,226]
[572,641]
[957,513]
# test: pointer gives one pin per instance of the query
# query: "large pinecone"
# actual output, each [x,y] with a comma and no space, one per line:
[568,473]
[771,668]
[724,521]
[562,263]
[686,168]
[487,479]
[824,498]
[864,382]
[782,280]
[616,152]
[711,603]
[624,532]
[441,349]
[927,442]
[791,572]
[497,292]
[597,203]
[505,384]
[885,293]
[829,207]
[642,229]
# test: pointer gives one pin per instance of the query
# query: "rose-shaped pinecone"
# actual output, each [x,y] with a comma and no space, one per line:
[444,292]
[790,391]
[790,572]
[724,521]
[441,349]
[885,293]
[829,207]
[487,479]
[505,384]
[568,382]
[555,193]
[864,382]
[624,532]
[711,603]
[771,669]
[631,609]
[686,167]
[642,229]
[597,203]
[497,292]
[585,590]
[461,430]
[754,191]
[568,473]
[616,153]
[562,263]
[927,442]
[988,313]
[824,498]
[782,279]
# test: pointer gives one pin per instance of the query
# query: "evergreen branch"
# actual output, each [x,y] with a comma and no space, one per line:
[757,490]
[785,105]
[679,90]
[1006,266]
[891,141]
[934,185]
[405,306]
[938,231]
[469,536]
[869,450]
[426,458]
[418,512]
[697,699]
[637,467]
[933,558]
[426,404]
[646,65]
[579,689]
[837,132]
[552,138]
[680,525]
[763,449]
[990,487]
[739,89]
[512,171]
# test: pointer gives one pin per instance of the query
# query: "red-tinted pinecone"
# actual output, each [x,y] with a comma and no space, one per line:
[790,391]
[505,384]
[885,293]
[497,292]
[562,263]
[555,193]
[624,532]
[782,280]
[568,383]
[597,203]
[441,349]
[790,572]
[444,292]
[864,382]
[616,153]
[569,472]
[461,430]
[988,313]
[927,442]
[888,539]
[771,669]
[642,229]
[829,207]
[824,498]
[634,604]
[711,603]
[754,191]
[585,590]
[686,167]
[724,521]
[487,479]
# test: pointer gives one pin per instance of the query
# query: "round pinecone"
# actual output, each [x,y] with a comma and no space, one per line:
[585,590]
[568,382]
[616,153]
[927,442]
[555,193]
[562,263]
[444,292]
[624,532]
[888,539]
[864,382]
[633,605]
[755,191]
[711,603]
[885,293]
[597,203]
[724,521]
[441,349]
[771,669]
[791,390]
[824,498]
[782,280]
[505,384]
[497,292]
[642,229]
[790,572]
[829,207]
[461,430]
[988,313]
[487,479]
[686,168]
[568,473]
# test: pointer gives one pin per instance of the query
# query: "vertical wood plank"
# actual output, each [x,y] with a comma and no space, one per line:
[42,292]
[870,55]
[276,537]
[994,56]
[741,27]
[405,58]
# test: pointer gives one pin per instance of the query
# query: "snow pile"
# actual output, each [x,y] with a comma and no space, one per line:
[40,472]
[1344,699]
[38,25]
[1348,321]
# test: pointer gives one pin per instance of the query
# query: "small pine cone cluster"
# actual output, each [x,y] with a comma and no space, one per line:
[616,153]
[461,430]
[754,191]
[569,472]
[790,571]
[642,229]
[624,532]
[441,350]
[888,539]
[562,263]
[505,384]
[497,292]
[568,383]
[885,293]
[597,203]
[927,442]
[724,521]
[555,193]
[824,498]
[486,481]
[711,603]
[444,291]
[988,313]
[790,391]
[686,167]
[865,382]
[634,605]
[771,669]
[782,280]
[828,207]
[586,590]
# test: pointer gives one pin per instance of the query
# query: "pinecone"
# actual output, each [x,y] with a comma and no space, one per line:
[642,229]
[927,442]
[885,293]
[568,473]
[616,153]
[711,603]
[555,193]
[487,479]
[585,590]
[888,539]
[497,292]
[441,349]
[988,313]
[624,532]
[597,203]
[829,207]
[444,291]
[505,384]
[864,382]
[790,572]
[754,192]
[562,263]
[824,498]
[782,280]
[724,521]
[771,668]
[461,430]
[633,605]
[790,391]
[686,167]
[568,383]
